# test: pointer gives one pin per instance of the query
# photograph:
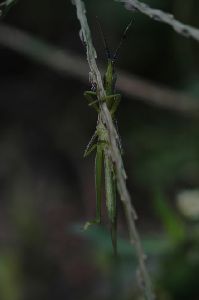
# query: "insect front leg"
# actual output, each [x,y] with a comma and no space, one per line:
[113,102]
[91,97]
[98,185]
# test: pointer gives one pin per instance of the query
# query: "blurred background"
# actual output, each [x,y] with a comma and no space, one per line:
[47,188]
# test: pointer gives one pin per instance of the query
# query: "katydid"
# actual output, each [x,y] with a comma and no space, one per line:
[99,141]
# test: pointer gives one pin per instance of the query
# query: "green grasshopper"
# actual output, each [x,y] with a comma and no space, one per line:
[99,141]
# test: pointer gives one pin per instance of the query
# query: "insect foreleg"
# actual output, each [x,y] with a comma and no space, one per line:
[112,102]
[91,97]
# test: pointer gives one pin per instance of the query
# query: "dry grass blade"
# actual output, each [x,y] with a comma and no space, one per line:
[161,16]
[105,117]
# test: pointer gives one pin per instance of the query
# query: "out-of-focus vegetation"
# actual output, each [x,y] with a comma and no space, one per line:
[47,188]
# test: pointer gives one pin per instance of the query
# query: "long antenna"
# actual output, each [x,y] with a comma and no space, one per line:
[108,53]
[122,40]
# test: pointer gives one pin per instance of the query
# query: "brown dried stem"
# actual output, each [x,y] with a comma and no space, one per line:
[105,117]
[161,16]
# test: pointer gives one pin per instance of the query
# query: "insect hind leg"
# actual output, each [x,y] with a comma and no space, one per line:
[98,186]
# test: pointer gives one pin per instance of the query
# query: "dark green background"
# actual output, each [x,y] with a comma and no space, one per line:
[47,188]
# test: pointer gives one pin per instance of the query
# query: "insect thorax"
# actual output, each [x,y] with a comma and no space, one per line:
[102,132]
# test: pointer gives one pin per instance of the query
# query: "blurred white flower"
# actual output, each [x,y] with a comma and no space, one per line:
[188,203]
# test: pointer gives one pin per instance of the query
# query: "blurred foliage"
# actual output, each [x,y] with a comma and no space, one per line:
[178,278]
[46,186]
